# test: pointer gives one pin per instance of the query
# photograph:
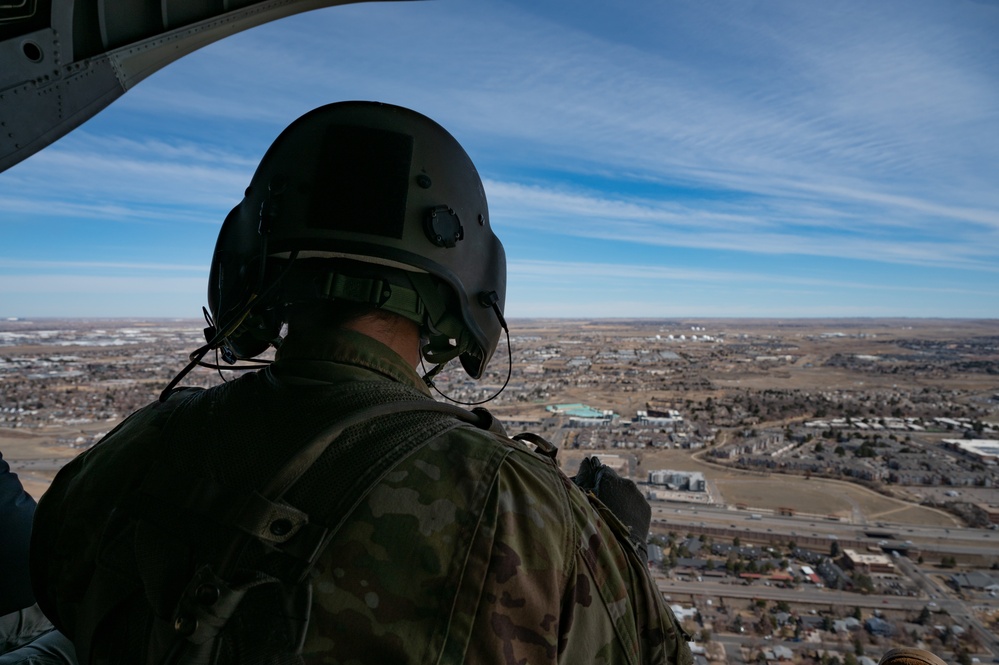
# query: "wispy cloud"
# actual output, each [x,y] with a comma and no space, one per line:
[20,264]
[567,273]
[118,178]
[858,132]
[738,227]
[105,296]
[99,285]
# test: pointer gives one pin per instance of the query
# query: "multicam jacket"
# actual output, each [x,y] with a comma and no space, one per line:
[471,549]
[475,549]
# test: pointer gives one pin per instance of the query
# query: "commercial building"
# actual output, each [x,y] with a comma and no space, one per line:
[987,450]
[692,481]
[868,563]
[581,415]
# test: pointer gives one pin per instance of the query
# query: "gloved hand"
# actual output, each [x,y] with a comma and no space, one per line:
[621,496]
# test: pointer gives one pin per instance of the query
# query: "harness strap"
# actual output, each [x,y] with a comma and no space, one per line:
[300,463]
[210,598]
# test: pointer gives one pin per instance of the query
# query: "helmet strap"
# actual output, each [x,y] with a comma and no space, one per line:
[382,293]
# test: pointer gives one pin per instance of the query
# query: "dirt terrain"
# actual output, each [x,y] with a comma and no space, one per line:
[816,496]
[725,375]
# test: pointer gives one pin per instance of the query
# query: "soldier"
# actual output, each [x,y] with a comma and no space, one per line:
[26,635]
[420,537]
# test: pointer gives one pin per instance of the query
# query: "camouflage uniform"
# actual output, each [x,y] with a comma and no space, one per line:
[471,549]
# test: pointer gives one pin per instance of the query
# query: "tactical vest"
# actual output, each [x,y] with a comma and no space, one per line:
[189,533]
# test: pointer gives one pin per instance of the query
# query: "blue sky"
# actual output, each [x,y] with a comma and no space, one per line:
[663,158]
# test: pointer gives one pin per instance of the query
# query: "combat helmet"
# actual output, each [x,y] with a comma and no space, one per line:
[384,207]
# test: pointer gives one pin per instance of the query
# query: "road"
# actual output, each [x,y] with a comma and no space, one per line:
[733,648]
[49,465]
[800,594]
[958,609]
[781,528]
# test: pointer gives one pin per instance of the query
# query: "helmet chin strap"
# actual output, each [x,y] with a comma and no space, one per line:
[440,356]
[428,377]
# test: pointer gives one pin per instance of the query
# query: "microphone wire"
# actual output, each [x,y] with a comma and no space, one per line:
[428,377]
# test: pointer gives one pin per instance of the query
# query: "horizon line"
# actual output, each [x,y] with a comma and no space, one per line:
[27,319]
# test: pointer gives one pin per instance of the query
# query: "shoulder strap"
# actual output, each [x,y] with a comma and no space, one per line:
[287,476]
[265,517]
[213,594]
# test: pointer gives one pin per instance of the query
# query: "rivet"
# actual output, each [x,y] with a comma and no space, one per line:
[207,594]
[281,527]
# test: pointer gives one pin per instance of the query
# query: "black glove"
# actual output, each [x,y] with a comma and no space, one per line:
[621,496]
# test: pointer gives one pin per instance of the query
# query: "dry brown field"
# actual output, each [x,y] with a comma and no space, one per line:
[816,496]
[811,341]
[24,447]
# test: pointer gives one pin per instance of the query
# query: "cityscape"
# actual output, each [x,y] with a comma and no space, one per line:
[822,489]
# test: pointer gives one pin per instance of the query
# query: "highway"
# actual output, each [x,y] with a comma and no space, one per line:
[46,465]
[811,529]
[802,594]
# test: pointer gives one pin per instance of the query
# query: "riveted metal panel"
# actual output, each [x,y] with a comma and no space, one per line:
[37,113]
[92,51]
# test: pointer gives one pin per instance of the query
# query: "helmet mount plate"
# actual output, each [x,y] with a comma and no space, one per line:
[443,227]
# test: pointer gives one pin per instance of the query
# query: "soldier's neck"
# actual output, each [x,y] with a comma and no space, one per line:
[399,334]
